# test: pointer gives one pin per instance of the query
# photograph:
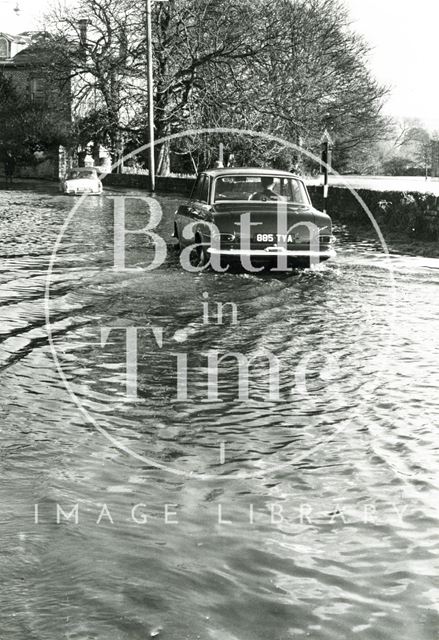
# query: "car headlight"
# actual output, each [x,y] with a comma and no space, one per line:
[225,237]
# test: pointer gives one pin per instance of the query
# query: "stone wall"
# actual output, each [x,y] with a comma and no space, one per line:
[410,212]
[46,170]
[140,181]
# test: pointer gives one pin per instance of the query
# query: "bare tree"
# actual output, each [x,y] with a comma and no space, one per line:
[96,50]
[298,70]
[287,67]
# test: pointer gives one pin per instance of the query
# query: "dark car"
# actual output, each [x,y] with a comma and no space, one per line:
[256,217]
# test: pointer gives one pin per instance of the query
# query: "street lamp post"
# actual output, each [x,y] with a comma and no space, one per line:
[150,96]
[150,81]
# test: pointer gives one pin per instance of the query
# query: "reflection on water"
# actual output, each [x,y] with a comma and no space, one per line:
[310,515]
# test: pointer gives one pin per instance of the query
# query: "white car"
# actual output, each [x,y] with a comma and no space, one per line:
[82,180]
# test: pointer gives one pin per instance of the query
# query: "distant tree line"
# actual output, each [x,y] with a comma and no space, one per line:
[289,68]
[411,152]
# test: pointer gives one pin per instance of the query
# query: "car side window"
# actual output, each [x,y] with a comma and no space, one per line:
[204,195]
[196,189]
[201,188]
[299,193]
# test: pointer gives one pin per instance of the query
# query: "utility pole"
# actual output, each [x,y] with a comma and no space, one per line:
[150,97]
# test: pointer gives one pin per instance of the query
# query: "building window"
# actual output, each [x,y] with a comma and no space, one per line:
[36,90]
[4,48]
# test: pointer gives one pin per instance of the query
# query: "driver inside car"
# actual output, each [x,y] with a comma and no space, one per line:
[267,192]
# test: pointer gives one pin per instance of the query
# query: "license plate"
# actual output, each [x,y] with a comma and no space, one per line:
[277,238]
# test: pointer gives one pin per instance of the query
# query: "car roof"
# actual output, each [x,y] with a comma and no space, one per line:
[249,171]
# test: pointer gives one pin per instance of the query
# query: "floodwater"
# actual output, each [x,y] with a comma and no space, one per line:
[132,508]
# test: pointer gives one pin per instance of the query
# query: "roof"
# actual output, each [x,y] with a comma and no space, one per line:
[16,45]
[21,38]
[249,171]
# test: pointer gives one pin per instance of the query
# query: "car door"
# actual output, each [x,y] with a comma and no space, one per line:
[196,211]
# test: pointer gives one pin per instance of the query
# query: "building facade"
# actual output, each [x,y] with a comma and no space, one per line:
[25,61]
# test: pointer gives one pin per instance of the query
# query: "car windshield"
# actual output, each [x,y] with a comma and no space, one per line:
[74,174]
[241,188]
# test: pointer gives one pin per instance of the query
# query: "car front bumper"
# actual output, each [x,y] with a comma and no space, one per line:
[270,254]
[81,192]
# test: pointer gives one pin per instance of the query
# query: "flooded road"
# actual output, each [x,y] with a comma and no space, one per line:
[181,513]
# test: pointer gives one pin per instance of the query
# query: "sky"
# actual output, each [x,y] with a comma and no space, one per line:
[401,33]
